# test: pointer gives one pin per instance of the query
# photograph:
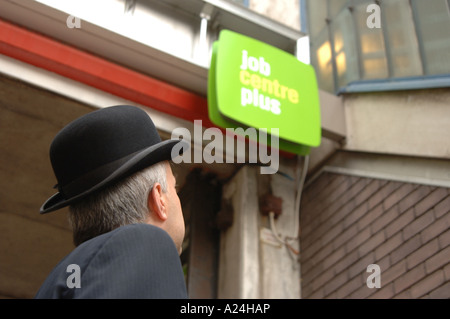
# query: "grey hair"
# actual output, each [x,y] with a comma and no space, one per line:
[123,203]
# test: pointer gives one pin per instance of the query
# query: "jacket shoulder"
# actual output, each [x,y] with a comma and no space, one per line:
[133,261]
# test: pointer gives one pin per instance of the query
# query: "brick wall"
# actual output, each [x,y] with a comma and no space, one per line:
[350,222]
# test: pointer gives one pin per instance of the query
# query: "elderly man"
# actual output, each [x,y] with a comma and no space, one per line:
[113,172]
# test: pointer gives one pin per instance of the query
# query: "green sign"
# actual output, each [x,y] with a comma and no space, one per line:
[253,84]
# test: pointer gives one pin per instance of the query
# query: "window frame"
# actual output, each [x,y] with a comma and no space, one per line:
[391,82]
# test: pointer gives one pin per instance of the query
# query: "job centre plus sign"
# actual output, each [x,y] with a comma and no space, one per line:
[253,84]
[260,90]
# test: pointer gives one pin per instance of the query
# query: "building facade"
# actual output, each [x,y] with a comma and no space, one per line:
[377,189]
[383,197]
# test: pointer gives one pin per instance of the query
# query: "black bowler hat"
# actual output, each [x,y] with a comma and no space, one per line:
[101,148]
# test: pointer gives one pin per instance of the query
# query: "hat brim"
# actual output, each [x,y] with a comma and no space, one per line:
[145,158]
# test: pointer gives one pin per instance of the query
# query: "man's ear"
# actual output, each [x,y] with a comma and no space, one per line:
[156,202]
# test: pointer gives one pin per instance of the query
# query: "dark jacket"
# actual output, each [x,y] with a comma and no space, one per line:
[133,261]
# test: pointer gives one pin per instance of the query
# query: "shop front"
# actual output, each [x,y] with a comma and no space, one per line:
[57,66]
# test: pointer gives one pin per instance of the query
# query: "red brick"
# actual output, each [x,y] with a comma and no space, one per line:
[336,282]
[308,247]
[350,286]
[444,239]
[439,260]
[405,294]
[384,219]
[383,182]
[436,228]
[326,230]
[443,207]
[424,252]
[332,232]
[317,284]
[323,185]
[345,198]
[330,197]
[309,211]
[385,292]
[314,209]
[370,216]
[371,244]
[309,250]
[362,293]
[382,193]
[348,260]
[360,267]
[338,186]
[417,225]
[414,197]
[358,239]
[308,230]
[397,195]
[315,266]
[314,188]
[430,201]
[393,272]
[345,236]
[322,253]
[399,223]
[312,265]
[388,246]
[376,198]
[447,272]
[441,292]
[306,290]
[405,249]
[367,192]
[319,294]
[306,210]
[331,295]
[428,284]
[348,223]
[384,263]
[326,239]
[355,214]
[330,260]
[338,216]
[409,278]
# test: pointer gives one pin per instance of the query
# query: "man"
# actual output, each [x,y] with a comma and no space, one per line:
[113,173]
